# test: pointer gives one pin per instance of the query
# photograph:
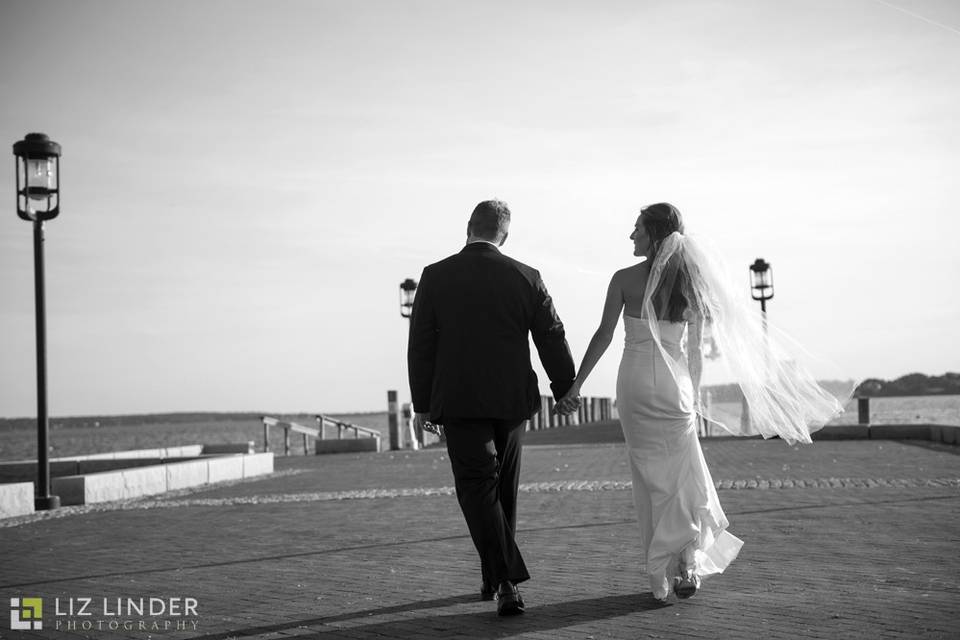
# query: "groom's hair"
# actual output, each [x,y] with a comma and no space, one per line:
[490,220]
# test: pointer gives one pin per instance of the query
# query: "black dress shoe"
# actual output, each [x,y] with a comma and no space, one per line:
[509,601]
[487,591]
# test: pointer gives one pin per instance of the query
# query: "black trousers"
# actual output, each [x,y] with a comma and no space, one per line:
[485,457]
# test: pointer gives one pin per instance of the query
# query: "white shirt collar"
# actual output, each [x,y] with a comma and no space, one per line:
[476,240]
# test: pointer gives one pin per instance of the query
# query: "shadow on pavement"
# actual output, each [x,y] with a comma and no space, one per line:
[814,507]
[932,446]
[402,543]
[484,624]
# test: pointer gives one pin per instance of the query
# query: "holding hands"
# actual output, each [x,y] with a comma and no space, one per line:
[570,402]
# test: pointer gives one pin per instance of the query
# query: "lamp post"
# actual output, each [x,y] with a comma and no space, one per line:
[408,291]
[38,200]
[761,286]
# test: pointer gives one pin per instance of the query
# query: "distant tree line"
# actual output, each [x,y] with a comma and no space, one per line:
[913,384]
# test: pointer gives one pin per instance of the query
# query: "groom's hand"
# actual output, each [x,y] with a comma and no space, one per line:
[568,404]
[422,421]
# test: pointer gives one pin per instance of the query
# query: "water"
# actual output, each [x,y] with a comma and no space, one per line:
[899,410]
[21,443]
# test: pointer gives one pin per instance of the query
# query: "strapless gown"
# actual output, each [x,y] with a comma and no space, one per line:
[681,521]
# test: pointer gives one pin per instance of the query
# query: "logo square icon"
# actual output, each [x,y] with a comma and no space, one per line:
[26,613]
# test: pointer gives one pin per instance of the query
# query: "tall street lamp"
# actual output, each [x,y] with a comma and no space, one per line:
[408,290]
[38,200]
[761,285]
[761,288]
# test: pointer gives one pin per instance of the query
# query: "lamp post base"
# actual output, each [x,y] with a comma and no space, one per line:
[46,503]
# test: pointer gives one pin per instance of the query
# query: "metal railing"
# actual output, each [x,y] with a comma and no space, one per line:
[341,426]
[316,432]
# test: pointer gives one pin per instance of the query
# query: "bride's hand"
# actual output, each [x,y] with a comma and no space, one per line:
[568,403]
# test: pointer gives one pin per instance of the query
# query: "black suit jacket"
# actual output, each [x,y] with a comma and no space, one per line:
[468,352]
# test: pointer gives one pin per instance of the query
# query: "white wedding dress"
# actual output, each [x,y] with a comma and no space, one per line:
[681,521]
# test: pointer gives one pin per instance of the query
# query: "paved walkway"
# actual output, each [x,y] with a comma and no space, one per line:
[843,539]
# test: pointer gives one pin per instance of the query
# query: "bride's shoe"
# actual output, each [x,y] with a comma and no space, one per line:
[686,586]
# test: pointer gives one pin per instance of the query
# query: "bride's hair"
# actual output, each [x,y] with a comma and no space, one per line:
[659,221]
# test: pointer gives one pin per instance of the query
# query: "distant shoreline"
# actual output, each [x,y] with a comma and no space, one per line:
[176,417]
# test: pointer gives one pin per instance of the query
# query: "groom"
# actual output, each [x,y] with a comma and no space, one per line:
[469,364]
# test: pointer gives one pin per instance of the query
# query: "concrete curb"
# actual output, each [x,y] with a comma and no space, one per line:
[609,431]
[26,470]
[946,434]
[155,479]
[353,445]
[16,499]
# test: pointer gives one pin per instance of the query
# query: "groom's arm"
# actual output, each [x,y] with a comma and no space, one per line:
[422,346]
[550,339]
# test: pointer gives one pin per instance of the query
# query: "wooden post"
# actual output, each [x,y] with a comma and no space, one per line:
[393,412]
[266,437]
[744,415]
[306,449]
[415,439]
[863,410]
[551,416]
[286,441]
[320,426]
[707,400]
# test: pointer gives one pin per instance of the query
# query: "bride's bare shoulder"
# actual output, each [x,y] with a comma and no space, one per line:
[632,273]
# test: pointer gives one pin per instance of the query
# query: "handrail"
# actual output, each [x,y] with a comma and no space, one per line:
[293,426]
[308,431]
[341,426]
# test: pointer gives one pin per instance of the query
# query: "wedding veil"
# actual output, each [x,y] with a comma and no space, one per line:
[783,397]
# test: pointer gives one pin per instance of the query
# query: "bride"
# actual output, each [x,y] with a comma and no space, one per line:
[673,303]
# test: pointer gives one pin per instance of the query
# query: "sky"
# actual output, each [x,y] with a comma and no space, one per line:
[245,184]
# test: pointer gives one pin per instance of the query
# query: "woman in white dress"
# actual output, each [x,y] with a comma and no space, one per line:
[668,302]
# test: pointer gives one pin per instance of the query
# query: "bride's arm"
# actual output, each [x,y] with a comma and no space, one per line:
[612,307]
[695,353]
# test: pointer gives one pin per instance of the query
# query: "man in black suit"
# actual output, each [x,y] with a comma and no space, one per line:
[469,365]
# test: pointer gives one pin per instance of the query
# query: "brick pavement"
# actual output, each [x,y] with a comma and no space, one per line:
[843,539]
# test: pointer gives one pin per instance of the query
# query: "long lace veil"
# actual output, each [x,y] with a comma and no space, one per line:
[783,397]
